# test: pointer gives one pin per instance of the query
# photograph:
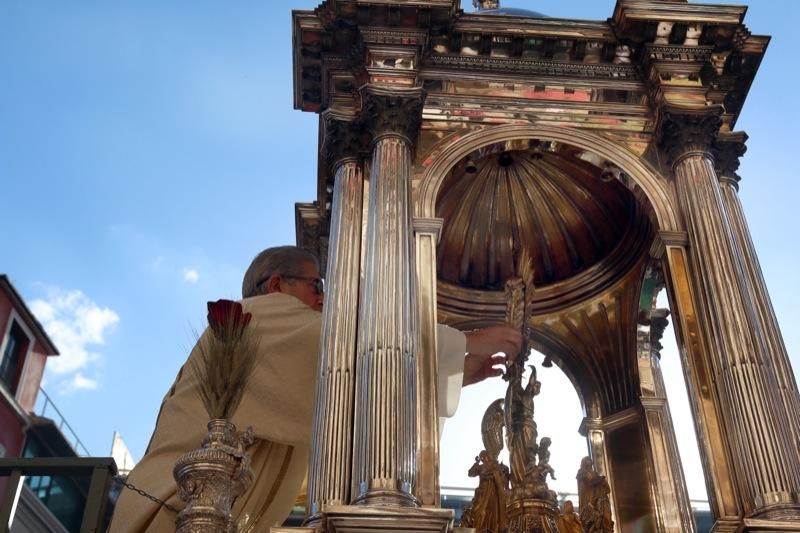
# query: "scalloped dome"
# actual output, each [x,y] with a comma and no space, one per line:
[513,11]
[553,204]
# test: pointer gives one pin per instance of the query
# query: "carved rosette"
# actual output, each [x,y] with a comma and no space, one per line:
[761,449]
[384,457]
[212,477]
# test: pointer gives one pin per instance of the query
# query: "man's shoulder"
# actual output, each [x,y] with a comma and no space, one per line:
[278,304]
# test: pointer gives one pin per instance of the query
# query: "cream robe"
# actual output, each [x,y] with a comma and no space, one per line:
[278,403]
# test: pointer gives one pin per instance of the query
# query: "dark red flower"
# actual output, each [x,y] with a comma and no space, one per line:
[227,315]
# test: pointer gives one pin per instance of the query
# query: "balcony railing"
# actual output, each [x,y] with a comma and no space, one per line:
[45,405]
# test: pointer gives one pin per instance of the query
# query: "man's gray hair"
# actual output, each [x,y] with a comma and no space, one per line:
[283,260]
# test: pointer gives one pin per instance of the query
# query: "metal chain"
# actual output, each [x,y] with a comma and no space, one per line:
[134,488]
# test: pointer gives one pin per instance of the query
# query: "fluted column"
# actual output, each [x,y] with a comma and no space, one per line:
[427,233]
[765,468]
[384,457]
[728,148]
[707,413]
[331,440]
[672,507]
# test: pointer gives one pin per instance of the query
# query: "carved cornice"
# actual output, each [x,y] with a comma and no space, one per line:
[727,149]
[534,66]
[394,36]
[392,110]
[684,130]
[345,137]
[657,52]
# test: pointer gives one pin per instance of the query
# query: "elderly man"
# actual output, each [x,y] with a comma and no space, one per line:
[283,291]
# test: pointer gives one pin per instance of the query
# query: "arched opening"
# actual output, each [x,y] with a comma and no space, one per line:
[583,212]
[558,415]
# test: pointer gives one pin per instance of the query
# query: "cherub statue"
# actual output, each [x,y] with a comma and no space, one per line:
[544,458]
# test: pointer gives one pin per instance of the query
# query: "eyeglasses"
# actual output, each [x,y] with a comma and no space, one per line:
[316,283]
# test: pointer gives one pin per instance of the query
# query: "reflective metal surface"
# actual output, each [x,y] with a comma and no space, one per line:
[590,147]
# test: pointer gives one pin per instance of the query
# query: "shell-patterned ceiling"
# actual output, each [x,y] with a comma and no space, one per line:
[545,201]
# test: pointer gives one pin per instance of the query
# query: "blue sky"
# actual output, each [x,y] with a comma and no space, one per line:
[149,149]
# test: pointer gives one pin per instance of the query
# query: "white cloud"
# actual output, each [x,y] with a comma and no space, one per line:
[190,275]
[78,382]
[77,325]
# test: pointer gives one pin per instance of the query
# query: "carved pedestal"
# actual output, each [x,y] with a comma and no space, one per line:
[532,516]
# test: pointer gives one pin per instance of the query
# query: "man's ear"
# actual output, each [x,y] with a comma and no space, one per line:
[274,283]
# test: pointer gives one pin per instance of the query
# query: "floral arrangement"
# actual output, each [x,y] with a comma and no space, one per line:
[227,358]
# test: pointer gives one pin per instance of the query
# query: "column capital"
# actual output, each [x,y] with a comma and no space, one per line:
[432,226]
[727,149]
[344,137]
[392,110]
[684,130]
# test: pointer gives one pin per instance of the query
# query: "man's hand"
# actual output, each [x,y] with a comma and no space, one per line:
[483,345]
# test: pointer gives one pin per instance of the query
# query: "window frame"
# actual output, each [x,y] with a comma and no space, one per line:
[14,318]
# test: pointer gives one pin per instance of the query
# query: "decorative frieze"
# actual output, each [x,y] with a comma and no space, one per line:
[535,66]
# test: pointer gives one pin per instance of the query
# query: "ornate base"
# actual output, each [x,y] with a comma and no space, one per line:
[532,516]
[361,519]
[385,497]
[726,526]
[753,525]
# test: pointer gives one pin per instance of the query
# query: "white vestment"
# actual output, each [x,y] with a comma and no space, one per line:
[278,404]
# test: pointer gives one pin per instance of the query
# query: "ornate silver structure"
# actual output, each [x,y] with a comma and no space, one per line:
[212,477]
[459,148]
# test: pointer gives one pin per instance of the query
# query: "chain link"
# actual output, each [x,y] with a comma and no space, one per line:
[134,488]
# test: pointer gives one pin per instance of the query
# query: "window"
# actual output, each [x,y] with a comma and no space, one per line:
[13,358]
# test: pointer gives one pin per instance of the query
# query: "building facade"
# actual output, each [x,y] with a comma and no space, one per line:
[24,350]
